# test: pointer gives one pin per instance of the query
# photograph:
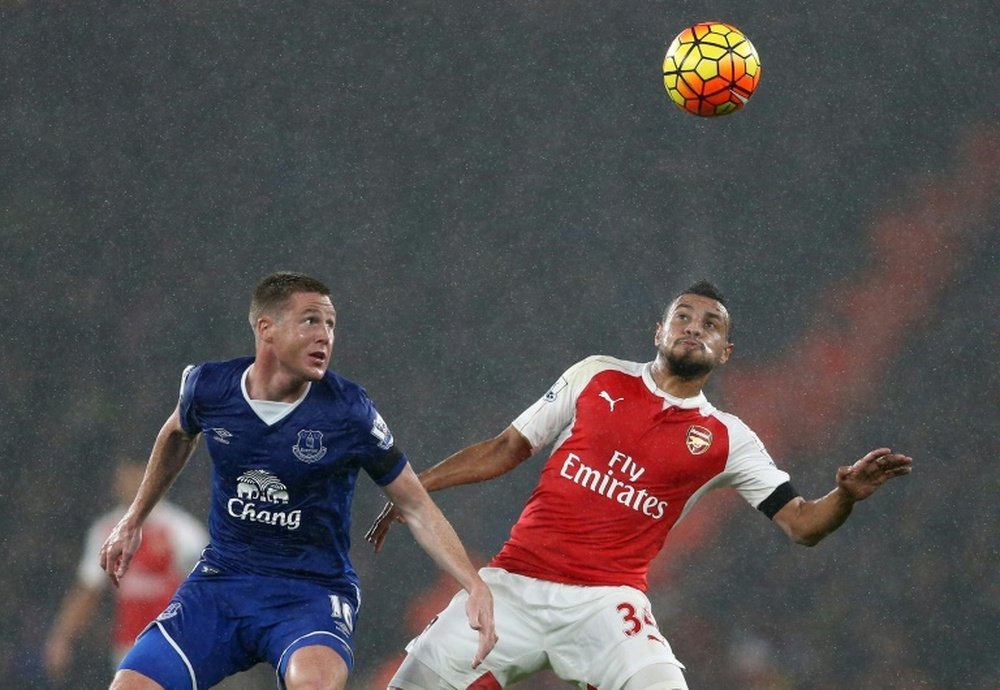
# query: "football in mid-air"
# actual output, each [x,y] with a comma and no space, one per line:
[711,69]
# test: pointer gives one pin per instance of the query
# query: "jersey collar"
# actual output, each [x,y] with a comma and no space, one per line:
[697,402]
[269,411]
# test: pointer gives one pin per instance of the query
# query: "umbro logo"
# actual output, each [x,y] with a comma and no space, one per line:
[222,435]
[611,401]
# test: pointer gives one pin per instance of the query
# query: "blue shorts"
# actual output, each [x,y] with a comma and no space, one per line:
[220,625]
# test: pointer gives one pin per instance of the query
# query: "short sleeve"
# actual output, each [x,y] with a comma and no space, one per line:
[751,470]
[185,403]
[553,412]
[383,460]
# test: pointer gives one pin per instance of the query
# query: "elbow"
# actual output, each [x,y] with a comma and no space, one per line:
[801,535]
[802,524]
[507,450]
[808,538]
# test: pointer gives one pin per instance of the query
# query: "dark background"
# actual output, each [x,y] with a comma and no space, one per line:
[494,190]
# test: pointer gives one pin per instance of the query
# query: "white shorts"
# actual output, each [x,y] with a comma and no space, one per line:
[598,636]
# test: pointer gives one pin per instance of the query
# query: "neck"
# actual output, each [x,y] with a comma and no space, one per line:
[675,385]
[267,382]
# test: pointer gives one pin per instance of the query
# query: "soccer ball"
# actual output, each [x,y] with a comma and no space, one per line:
[711,69]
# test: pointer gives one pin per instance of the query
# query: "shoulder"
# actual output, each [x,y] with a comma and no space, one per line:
[743,441]
[213,372]
[342,388]
[343,398]
[219,369]
[737,428]
[580,375]
[595,364]
[727,418]
[207,386]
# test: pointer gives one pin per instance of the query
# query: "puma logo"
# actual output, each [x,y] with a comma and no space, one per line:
[611,401]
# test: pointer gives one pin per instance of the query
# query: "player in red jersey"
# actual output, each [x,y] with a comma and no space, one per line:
[635,445]
[172,540]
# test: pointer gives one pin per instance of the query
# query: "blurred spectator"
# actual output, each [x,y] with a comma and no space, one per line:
[172,540]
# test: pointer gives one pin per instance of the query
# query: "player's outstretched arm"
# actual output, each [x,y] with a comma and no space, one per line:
[437,537]
[476,463]
[171,450]
[808,522]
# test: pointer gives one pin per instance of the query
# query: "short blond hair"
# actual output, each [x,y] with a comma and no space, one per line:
[273,292]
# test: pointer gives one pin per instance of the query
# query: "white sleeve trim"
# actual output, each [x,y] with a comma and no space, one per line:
[750,469]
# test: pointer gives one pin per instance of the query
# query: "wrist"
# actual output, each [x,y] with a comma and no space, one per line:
[845,496]
[477,585]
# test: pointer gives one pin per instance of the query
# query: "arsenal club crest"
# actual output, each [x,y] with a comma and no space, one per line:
[699,439]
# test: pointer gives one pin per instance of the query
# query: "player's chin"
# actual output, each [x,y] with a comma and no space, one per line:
[315,371]
[692,365]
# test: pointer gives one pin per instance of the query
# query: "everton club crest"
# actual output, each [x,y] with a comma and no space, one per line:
[309,446]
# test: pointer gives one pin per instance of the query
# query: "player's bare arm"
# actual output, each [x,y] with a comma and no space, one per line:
[170,453]
[476,463]
[808,522]
[437,537]
[77,611]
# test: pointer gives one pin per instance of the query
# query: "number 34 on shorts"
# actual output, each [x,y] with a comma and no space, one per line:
[639,622]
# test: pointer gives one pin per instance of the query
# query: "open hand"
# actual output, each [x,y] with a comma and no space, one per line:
[865,476]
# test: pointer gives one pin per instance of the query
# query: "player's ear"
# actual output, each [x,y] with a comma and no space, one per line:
[263,328]
[727,352]
[656,335]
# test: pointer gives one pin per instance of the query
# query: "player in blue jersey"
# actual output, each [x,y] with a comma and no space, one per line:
[287,439]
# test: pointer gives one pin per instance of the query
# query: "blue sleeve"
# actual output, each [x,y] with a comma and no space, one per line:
[185,405]
[383,460]
[385,469]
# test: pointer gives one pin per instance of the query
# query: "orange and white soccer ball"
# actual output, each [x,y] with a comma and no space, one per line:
[711,69]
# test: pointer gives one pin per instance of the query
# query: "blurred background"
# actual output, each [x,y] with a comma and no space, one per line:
[494,190]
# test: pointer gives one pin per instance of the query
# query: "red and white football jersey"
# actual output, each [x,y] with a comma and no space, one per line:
[172,541]
[628,462]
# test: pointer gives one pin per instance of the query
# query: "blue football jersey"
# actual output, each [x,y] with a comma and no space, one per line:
[281,492]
